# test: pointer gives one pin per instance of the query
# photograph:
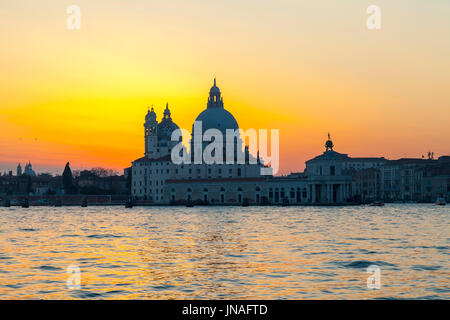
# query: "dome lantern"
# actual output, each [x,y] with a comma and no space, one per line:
[167,112]
[215,116]
[215,100]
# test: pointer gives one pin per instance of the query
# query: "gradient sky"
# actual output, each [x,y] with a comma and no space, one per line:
[305,67]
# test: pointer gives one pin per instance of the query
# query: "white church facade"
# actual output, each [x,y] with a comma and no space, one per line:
[157,179]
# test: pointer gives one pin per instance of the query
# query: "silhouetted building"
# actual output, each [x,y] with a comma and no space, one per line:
[368,184]
[421,180]
[157,179]
[29,170]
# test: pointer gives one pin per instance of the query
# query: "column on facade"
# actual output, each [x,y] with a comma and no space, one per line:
[313,191]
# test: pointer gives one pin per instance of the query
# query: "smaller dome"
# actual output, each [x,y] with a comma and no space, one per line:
[329,144]
[165,129]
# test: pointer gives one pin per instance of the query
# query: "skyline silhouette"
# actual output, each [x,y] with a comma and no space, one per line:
[79,95]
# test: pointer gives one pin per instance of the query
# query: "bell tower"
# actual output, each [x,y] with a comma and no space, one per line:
[150,126]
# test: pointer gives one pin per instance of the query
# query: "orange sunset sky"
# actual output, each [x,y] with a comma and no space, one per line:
[304,67]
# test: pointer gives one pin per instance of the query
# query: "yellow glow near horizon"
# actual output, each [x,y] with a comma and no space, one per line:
[306,69]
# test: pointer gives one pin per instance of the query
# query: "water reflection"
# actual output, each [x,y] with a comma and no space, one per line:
[215,252]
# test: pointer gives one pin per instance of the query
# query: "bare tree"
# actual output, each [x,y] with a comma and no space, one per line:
[102,172]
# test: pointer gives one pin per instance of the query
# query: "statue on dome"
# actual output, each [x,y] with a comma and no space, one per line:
[329,144]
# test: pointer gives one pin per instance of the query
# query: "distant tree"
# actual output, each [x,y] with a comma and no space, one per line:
[68,179]
[102,172]
[76,173]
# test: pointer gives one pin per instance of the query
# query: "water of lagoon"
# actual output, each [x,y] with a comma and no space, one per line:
[225,252]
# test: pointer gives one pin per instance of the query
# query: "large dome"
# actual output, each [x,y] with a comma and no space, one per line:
[217,118]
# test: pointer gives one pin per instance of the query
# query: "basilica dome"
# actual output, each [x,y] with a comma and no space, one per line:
[215,116]
[217,119]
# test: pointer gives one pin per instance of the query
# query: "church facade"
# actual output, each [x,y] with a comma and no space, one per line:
[157,179]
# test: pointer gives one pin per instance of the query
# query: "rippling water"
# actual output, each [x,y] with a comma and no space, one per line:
[225,252]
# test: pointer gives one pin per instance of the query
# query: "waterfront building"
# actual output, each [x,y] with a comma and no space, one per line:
[330,178]
[217,190]
[368,185]
[411,179]
[157,179]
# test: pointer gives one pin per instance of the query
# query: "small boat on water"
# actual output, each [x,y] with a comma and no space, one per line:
[440,201]
[84,203]
[58,202]
[25,203]
[129,203]
[285,202]
[6,203]
[377,204]
[189,204]
[245,203]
